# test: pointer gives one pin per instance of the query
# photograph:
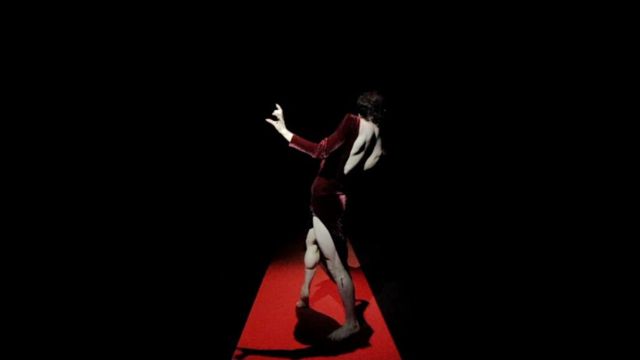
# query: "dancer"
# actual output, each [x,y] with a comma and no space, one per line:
[354,146]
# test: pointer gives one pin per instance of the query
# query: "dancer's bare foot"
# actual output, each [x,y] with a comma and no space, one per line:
[344,331]
[302,303]
[304,298]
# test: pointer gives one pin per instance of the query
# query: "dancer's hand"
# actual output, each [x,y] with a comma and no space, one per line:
[279,122]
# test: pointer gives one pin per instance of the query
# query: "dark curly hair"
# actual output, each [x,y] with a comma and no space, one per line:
[371,106]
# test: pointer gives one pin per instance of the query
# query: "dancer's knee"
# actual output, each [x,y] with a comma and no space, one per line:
[311,237]
[311,257]
[337,270]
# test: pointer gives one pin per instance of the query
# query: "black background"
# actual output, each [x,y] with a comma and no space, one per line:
[176,192]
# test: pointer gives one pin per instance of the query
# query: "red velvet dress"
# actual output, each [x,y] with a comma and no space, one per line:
[328,199]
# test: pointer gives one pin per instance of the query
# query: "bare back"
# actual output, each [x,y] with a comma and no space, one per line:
[367,143]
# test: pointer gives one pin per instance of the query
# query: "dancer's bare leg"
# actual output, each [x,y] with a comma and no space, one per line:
[342,278]
[311,260]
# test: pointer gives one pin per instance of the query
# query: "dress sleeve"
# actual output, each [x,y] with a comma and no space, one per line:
[325,147]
